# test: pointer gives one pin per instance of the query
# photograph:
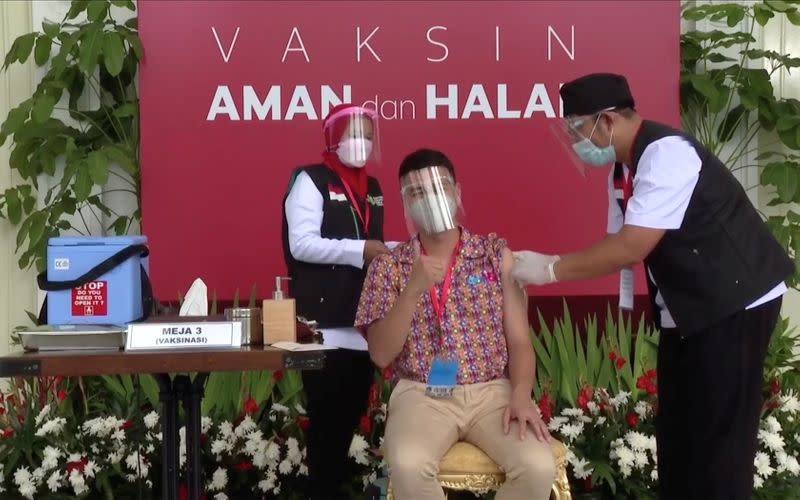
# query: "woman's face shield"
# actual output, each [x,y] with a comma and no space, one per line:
[353,134]
[431,200]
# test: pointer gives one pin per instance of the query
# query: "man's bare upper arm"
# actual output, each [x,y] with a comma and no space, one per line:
[515,301]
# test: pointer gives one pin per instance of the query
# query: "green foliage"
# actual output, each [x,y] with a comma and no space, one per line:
[60,134]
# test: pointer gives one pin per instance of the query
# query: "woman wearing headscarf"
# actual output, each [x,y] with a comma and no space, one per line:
[332,229]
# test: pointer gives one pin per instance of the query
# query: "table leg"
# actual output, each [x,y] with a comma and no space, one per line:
[192,398]
[169,436]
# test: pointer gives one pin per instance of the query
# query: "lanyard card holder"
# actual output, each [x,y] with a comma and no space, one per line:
[442,378]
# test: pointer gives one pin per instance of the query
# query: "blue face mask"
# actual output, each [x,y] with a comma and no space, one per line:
[594,155]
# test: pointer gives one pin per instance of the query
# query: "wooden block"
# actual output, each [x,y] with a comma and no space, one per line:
[280,321]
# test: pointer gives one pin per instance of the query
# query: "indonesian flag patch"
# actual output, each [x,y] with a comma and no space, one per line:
[336,193]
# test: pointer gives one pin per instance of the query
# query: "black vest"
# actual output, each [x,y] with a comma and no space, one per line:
[329,293]
[723,257]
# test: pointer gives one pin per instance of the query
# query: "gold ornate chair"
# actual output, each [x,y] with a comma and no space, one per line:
[465,467]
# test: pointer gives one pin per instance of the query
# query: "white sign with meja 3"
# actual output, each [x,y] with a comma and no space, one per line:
[194,335]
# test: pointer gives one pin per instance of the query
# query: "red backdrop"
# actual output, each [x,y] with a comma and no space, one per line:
[214,171]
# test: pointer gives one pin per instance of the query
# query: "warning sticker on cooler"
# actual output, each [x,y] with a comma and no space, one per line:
[90,299]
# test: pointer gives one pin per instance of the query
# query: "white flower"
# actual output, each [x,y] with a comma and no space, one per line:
[245,426]
[205,425]
[303,470]
[556,423]
[620,399]
[137,464]
[218,446]
[757,482]
[219,480]
[45,411]
[358,449]
[119,435]
[220,496]
[654,475]
[572,412]
[763,467]
[579,467]
[90,469]
[151,419]
[226,429]
[771,440]
[286,467]
[600,421]
[640,459]
[50,459]
[643,409]
[293,454]
[54,481]
[771,424]
[638,441]
[572,431]
[792,465]
[790,403]
[78,482]
[52,426]
[594,409]
[25,482]
[300,409]
[277,407]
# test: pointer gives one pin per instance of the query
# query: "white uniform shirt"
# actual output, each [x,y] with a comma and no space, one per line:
[665,179]
[304,219]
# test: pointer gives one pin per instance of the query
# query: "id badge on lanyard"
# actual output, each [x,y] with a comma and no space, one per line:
[363,218]
[626,280]
[443,375]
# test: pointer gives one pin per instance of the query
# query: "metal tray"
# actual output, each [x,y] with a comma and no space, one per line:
[71,341]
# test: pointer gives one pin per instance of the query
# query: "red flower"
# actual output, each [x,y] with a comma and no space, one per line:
[374,396]
[775,387]
[612,356]
[652,389]
[620,363]
[642,382]
[2,410]
[127,425]
[183,493]
[365,424]
[387,373]
[61,395]
[7,433]
[584,397]
[545,408]
[78,466]
[632,419]
[59,379]
[243,466]
[250,405]
[302,422]
[277,375]
[651,374]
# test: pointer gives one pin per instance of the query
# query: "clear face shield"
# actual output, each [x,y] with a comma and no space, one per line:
[575,135]
[352,134]
[431,200]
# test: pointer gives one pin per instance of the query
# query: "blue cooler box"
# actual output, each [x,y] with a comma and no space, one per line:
[113,298]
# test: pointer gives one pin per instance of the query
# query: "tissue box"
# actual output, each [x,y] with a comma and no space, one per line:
[113,298]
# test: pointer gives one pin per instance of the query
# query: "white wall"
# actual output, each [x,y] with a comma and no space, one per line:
[17,290]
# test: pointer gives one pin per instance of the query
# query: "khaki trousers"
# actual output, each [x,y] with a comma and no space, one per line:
[420,430]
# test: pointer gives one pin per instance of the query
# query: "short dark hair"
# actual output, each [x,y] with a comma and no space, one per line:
[424,158]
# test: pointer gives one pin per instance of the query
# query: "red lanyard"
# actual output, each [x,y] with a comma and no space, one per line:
[627,190]
[439,303]
[352,199]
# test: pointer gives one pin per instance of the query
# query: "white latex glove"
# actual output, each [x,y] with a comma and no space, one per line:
[533,268]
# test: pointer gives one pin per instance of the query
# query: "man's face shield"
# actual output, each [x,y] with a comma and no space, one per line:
[431,200]
[578,136]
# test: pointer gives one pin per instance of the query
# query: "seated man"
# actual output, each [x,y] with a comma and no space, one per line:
[444,312]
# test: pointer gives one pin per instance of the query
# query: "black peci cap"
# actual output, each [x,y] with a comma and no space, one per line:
[592,93]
